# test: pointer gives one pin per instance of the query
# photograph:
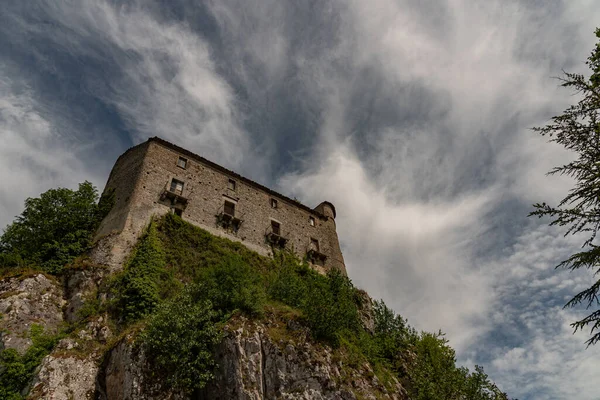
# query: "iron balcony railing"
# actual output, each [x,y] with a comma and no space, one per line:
[177,199]
[276,236]
[229,218]
[314,254]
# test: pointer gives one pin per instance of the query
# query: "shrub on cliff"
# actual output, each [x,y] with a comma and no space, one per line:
[54,228]
[179,340]
[16,370]
[231,284]
[140,287]
[329,303]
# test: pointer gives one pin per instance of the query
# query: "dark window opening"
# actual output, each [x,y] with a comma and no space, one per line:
[182,162]
[176,186]
[229,208]
[273,203]
[276,228]
[178,212]
[311,221]
[231,184]
[314,244]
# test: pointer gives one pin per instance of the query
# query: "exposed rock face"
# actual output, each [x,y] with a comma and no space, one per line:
[79,285]
[65,377]
[366,311]
[255,366]
[252,366]
[269,359]
[27,300]
[126,375]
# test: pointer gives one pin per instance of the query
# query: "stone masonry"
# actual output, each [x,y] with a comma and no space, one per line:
[157,177]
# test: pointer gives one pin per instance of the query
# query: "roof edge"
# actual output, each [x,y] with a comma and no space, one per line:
[250,182]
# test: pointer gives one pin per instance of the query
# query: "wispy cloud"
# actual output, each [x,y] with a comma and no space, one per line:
[34,154]
[411,116]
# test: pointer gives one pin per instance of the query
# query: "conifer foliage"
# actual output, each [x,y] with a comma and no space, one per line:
[578,130]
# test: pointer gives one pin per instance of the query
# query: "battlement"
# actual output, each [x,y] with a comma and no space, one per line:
[157,177]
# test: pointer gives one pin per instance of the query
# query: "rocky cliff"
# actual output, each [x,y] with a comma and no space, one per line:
[269,358]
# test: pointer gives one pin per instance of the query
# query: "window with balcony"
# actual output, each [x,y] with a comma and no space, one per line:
[176,187]
[276,228]
[229,208]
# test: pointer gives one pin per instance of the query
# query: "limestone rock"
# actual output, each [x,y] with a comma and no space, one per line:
[27,300]
[255,366]
[126,375]
[79,285]
[62,377]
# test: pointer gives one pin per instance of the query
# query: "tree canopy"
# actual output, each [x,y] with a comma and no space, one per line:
[54,228]
[578,130]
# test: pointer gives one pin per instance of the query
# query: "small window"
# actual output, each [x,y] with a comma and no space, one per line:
[231,184]
[273,203]
[182,162]
[311,221]
[176,186]
[178,212]
[229,208]
[276,228]
[314,244]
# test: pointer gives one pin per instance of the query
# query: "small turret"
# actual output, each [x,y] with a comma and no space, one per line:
[326,208]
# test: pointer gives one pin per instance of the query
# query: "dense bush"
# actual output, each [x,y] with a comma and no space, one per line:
[189,249]
[328,303]
[54,228]
[231,284]
[144,280]
[16,371]
[425,363]
[179,340]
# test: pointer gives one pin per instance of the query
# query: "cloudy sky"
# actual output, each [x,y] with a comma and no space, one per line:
[412,116]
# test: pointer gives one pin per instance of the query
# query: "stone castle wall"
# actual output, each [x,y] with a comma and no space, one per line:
[142,180]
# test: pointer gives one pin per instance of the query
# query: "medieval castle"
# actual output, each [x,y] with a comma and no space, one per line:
[157,177]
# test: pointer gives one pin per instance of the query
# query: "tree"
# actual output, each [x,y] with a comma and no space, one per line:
[54,228]
[578,130]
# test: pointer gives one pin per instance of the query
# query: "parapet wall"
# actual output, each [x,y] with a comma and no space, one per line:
[144,183]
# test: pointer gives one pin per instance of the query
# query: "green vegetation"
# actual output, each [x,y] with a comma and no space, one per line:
[53,229]
[179,340]
[138,288]
[223,277]
[578,130]
[182,284]
[16,371]
[328,303]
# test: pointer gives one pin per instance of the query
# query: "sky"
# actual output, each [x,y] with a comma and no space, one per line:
[412,116]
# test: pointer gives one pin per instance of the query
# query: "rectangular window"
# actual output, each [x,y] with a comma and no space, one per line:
[229,208]
[276,227]
[231,184]
[311,221]
[176,186]
[182,162]
[273,203]
[314,244]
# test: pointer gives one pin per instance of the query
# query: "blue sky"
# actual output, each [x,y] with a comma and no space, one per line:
[411,116]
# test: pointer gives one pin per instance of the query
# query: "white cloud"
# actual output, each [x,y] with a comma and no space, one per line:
[166,83]
[34,154]
[415,255]
[419,114]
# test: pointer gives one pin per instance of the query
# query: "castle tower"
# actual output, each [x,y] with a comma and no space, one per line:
[157,177]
